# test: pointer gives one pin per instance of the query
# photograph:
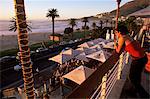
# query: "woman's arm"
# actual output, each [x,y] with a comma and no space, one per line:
[120,44]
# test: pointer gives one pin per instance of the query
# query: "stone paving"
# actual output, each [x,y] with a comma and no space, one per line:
[123,88]
[128,91]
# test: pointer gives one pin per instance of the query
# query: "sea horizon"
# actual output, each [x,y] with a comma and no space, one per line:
[43,26]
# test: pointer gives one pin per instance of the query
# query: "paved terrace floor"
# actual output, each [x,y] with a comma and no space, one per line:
[128,91]
[123,88]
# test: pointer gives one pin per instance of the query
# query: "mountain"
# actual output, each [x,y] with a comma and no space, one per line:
[131,7]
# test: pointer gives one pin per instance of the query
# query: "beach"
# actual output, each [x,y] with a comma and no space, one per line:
[11,41]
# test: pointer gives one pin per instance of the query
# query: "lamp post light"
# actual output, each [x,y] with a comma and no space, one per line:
[117,16]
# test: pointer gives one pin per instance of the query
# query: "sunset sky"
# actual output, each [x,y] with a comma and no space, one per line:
[37,9]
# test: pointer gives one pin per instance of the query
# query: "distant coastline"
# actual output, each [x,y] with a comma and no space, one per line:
[38,26]
[40,31]
[43,26]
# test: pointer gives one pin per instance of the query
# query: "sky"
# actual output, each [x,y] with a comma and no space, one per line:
[37,9]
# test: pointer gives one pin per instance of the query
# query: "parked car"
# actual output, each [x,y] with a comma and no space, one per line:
[7,62]
[41,49]
[71,41]
[7,58]
[63,43]
[66,48]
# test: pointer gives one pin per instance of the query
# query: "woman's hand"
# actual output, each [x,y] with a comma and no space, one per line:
[118,46]
[115,45]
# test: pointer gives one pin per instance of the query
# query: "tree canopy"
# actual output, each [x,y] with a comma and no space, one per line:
[72,22]
[68,30]
[52,13]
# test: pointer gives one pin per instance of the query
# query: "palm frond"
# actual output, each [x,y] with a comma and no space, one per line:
[72,22]
[13,26]
[52,13]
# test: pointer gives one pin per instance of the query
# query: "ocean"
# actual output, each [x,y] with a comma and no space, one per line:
[42,26]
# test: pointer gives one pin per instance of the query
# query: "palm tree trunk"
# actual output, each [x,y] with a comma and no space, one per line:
[72,32]
[24,49]
[84,29]
[85,24]
[72,27]
[111,24]
[53,28]
[101,25]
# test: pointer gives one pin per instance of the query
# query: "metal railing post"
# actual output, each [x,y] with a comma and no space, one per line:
[61,86]
[135,38]
[45,87]
[120,66]
[127,58]
[143,38]
[103,89]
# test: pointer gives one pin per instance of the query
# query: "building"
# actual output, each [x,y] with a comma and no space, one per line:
[57,37]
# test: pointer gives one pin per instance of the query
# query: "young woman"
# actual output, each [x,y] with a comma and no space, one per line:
[139,59]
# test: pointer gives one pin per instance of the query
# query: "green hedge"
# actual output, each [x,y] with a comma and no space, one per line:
[80,34]
[33,47]
[9,52]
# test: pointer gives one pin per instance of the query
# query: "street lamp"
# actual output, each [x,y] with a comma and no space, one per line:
[117,16]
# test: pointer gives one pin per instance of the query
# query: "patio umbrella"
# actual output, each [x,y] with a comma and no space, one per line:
[102,44]
[81,50]
[89,51]
[71,52]
[90,43]
[82,57]
[79,75]
[85,45]
[101,40]
[96,41]
[109,45]
[86,50]
[97,47]
[61,58]
[101,56]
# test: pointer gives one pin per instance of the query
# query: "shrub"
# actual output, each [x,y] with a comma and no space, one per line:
[68,30]
[85,27]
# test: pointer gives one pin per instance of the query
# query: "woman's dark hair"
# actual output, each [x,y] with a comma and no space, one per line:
[123,29]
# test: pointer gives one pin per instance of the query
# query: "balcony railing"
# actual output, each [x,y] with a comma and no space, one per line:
[101,82]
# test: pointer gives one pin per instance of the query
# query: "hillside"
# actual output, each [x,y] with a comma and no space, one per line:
[131,7]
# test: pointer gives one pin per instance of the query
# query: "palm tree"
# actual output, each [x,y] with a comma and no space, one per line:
[111,24]
[52,13]
[72,23]
[101,23]
[94,30]
[85,20]
[24,49]
[94,25]
[106,22]
[13,26]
